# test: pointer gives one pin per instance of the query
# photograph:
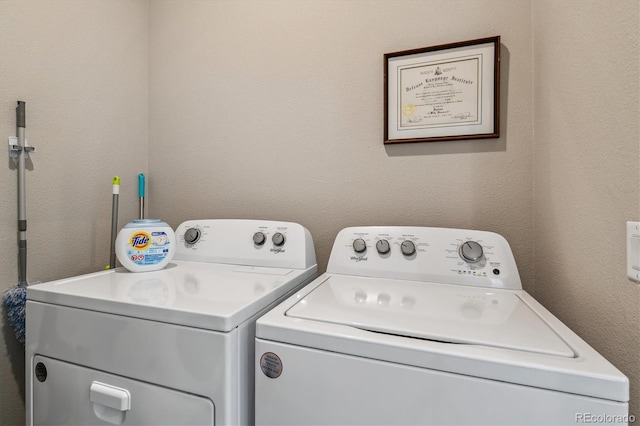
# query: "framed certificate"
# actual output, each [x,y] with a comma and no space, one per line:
[443,93]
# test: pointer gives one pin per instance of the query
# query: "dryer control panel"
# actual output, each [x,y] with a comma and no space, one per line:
[443,255]
[246,242]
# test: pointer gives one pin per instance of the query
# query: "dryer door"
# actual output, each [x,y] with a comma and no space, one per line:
[68,394]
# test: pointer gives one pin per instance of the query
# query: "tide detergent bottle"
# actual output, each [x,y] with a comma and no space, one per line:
[145,245]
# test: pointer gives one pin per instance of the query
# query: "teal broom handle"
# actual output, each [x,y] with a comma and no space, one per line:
[141,193]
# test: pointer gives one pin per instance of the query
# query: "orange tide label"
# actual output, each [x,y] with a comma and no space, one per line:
[140,240]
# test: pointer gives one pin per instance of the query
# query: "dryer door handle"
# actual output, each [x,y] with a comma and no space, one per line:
[110,396]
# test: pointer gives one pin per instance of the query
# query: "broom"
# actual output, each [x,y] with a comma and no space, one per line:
[15,299]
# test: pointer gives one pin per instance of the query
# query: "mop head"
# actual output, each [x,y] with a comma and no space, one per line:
[15,300]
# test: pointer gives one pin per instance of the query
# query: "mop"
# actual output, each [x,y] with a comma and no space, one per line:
[15,299]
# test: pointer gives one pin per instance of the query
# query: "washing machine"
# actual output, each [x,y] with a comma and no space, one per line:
[426,326]
[168,347]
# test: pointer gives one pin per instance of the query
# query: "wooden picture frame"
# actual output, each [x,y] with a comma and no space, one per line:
[443,93]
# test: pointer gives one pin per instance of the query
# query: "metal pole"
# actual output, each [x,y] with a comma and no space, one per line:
[22,199]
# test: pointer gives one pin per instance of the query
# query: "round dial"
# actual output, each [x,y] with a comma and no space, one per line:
[278,239]
[191,235]
[383,246]
[259,238]
[359,246]
[408,248]
[471,252]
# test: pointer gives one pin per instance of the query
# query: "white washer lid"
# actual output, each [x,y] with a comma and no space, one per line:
[196,294]
[442,312]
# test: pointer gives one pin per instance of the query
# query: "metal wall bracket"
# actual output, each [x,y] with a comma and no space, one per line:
[15,149]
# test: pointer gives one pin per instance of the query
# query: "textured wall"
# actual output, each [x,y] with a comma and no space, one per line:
[273,110]
[81,68]
[587,172]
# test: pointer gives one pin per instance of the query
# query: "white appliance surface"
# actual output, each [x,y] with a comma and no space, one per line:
[194,294]
[415,325]
[173,346]
[447,313]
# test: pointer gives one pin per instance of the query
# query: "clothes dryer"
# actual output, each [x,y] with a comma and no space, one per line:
[426,326]
[173,346]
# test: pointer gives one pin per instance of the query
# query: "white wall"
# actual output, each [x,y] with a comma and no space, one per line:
[81,68]
[587,171]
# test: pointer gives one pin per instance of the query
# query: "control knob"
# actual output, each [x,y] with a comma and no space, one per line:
[259,238]
[278,239]
[408,248]
[471,252]
[359,246]
[191,235]
[383,246]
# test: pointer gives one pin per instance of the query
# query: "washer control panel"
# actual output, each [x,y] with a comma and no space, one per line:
[245,242]
[444,255]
